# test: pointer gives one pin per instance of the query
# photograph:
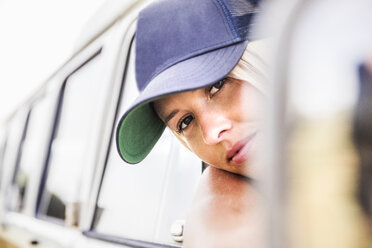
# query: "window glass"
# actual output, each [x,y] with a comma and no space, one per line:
[83,98]
[2,154]
[16,131]
[30,156]
[142,201]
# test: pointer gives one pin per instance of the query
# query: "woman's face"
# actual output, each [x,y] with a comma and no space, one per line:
[220,123]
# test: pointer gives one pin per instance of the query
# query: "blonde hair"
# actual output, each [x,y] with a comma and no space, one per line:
[251,66]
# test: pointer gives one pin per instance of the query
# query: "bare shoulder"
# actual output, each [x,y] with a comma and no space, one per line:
[226,212]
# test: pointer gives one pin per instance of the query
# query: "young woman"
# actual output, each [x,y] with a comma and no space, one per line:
[200,73]
[221,123]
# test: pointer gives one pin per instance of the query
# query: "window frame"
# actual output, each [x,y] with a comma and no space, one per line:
[56,118]
[90,231]
[3,149]
[11,156]
[47,231]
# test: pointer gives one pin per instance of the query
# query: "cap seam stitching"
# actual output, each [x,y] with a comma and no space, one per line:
[229,21]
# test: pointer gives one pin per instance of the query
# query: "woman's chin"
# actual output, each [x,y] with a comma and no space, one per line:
[245,170]
[248,171]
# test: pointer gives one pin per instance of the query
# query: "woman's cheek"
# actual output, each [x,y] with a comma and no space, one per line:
[203,151]
[250,103]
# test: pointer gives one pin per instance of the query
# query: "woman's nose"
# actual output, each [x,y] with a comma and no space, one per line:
[214,127]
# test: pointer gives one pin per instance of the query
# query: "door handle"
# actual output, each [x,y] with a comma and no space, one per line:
[177,230]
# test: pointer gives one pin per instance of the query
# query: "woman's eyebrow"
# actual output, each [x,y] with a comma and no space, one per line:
[170,116]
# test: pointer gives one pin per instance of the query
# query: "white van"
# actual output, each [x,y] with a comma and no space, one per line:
[63,183]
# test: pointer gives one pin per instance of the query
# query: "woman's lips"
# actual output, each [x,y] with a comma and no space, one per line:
[240,150]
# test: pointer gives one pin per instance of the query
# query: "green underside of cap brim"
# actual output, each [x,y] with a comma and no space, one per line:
[138,133]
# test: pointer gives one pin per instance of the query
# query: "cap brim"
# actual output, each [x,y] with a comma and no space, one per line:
[140,128]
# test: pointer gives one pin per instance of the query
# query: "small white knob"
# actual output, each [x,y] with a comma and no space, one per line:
[177,230]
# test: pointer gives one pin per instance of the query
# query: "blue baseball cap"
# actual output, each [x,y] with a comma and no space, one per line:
[181,45]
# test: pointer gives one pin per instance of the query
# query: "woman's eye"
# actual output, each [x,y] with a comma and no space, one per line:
[184,123]
[216,87]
